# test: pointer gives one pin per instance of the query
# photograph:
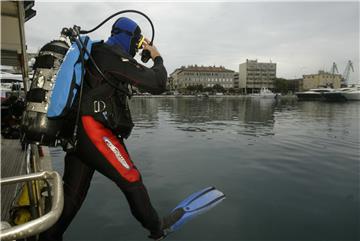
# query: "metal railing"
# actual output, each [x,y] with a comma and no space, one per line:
[44,222]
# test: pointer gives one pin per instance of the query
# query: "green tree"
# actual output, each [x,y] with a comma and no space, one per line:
[199,88]
[190,88]
[281,85]
[218,88]
[208,89]
[195,88]
[231,90]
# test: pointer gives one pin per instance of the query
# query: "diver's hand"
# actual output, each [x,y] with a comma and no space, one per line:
[153,50]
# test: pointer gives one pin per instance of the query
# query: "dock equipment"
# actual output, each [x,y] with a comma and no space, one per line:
[346,74]
[26,163]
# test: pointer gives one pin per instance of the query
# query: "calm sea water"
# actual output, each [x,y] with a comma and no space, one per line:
[290,170]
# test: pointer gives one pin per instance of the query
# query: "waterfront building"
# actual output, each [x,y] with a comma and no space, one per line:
[170,83]
[321,79]
[254,75]
[207,76]
[236,80]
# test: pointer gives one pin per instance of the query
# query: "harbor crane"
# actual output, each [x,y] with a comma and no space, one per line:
[346,73]
[334,69]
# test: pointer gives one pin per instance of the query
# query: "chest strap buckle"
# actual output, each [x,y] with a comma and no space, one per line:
[99,106]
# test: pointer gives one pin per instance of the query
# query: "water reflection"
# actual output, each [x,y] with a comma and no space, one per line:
[247,116]
[287,167]
[144,112]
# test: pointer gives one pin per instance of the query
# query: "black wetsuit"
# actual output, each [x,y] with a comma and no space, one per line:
[100,148]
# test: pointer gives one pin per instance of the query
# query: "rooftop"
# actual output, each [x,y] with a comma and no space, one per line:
[196,68]
[255,61]
[322,72]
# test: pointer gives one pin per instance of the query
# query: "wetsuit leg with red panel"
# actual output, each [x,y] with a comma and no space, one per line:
[104,151]
[99,149]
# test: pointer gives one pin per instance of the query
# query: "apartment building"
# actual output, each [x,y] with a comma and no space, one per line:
[254,75]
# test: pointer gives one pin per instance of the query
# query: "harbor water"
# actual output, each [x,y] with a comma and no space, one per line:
[289,169]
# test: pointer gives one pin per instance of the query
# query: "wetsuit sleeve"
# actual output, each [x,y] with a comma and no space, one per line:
[121,68]
[151,79]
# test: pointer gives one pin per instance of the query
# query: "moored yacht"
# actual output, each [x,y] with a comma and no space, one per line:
[337,95]
[313,94]
[353,94]
[343,94]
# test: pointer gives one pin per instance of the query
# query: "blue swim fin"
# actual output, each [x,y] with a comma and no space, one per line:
[193,206]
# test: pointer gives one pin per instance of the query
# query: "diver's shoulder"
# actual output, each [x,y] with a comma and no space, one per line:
[112,49]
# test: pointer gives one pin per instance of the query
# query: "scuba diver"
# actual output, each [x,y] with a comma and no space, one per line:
[103,121]
[101,133]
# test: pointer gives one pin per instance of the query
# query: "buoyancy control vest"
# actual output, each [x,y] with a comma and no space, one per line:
[50,115]
[68,80]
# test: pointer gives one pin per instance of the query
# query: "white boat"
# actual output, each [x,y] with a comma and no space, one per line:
[353,94]
[313,94]
[337,95]
[10,83]
[265,93]
[343,94]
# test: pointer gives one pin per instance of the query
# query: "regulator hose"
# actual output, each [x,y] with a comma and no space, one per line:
[122,12]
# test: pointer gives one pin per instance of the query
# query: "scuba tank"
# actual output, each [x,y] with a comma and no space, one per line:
[36,127]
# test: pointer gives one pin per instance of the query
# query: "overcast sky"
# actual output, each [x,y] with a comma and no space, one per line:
[301,37]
